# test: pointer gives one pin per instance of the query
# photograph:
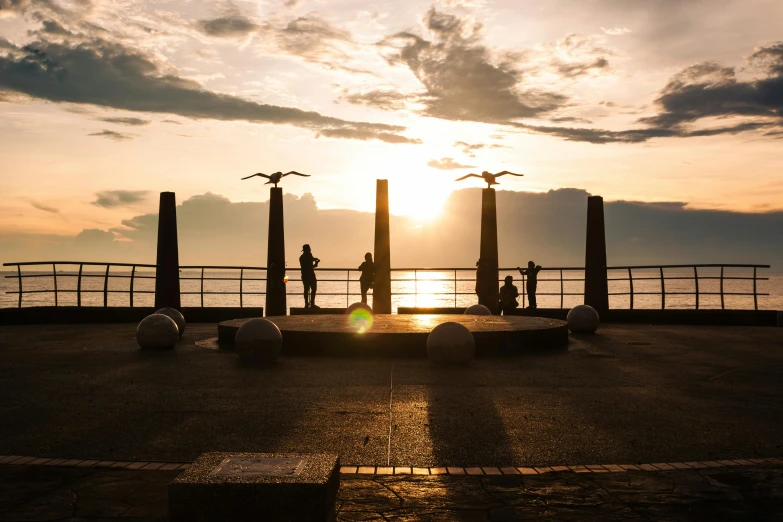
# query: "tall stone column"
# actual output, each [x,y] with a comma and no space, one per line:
[275,256]
[167,263]
[381,293]
[596,286]
[488,273]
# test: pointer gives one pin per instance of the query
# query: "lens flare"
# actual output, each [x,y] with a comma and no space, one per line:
[361,320]
[285,279]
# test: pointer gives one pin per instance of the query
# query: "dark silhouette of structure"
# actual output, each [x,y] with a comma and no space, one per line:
[275,177]
[508,296]
[531,272]
[381,293]
[596,285]
[308,264]
[490,178]
[275,256]
[368,272]
[487,272]
[167,264]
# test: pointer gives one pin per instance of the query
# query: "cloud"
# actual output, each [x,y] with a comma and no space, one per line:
[358,134]
[447,164]
[119,198]
[216,230]
[384,100]
[462,78]
[13,5]
[469,148]
[702,91]
[45,208]
[230,26]
[569,119]
[109,74]
[615,31]
[111,135]
[126,121]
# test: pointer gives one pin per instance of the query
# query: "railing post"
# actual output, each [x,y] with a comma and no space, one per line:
[523,291]
[416,286]
[696,280]
[241,277]
[455,288]
[133,276]
[348,288]
[722,304]
[19,273]
[202,287]
[54,274]
[663,291]
[561,289]
[630,282]
[79,286]
[106,287]
[755,295]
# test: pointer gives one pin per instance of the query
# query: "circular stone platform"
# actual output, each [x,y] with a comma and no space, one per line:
[402,335]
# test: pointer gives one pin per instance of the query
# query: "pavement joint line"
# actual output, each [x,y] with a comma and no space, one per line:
[391,412]
[408,470]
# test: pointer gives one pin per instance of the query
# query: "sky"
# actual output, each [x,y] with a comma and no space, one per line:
[674,107]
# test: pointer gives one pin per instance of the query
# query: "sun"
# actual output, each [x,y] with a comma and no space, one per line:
[422,203]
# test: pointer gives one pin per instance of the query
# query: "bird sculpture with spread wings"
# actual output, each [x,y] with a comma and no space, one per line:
[276,177]
[488,177]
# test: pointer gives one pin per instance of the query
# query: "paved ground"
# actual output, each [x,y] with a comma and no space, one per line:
[756,493]
[628,394]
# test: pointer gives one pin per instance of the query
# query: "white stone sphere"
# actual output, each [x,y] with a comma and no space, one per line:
[478,309]
[157,332]
[358,306]
[176,315]
[451,343]
[258,341]
[583,319]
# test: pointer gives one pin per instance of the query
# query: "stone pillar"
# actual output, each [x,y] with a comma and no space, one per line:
[167,263]
[275,256]
[381,292]
[488,274]
[596,286]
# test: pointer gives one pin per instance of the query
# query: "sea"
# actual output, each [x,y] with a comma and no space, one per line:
[423,288]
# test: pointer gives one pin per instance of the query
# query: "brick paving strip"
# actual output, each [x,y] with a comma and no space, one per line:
[406,470]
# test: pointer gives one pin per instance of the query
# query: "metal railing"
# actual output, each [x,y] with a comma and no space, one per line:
[696,278]
[410,281]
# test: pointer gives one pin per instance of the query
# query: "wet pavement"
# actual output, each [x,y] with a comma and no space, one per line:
[629,394]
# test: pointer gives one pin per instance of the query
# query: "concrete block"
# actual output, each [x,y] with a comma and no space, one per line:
[256,486]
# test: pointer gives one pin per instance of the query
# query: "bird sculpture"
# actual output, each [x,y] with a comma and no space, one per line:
[276,177]
[488,177]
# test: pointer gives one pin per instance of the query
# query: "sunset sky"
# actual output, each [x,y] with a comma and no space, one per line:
[105,103]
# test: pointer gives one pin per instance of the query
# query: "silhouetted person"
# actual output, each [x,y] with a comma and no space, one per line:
[309,264]
[531,272]
[508,296]
[368,273]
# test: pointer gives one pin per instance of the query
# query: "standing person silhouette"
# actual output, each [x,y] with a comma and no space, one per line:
[308,263]
[368,272]
[531,272]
